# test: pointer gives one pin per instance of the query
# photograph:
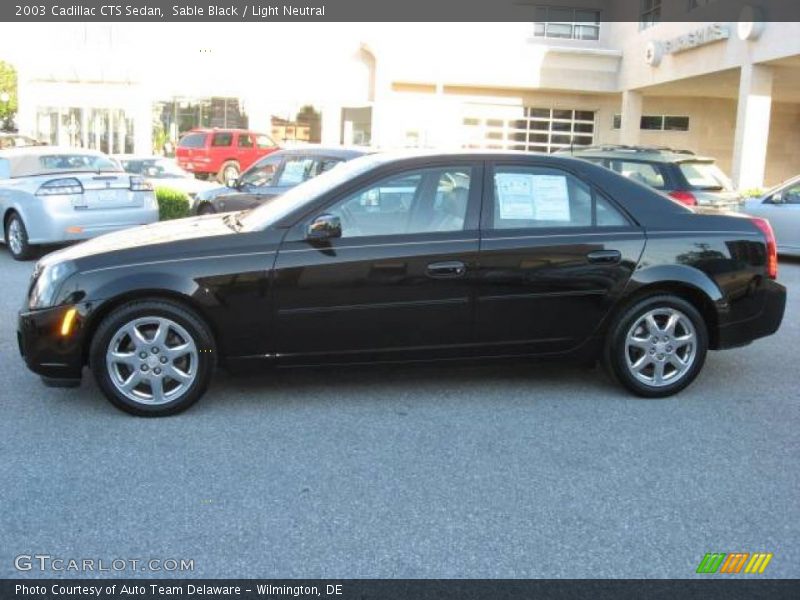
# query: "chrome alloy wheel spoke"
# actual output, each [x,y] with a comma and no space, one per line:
[660,347]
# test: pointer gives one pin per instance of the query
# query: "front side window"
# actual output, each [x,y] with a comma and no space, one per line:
[264,142]
[791,195]
[261,173]
[644,173]
[536,198]
[296,170]
[420,201]
[222,139]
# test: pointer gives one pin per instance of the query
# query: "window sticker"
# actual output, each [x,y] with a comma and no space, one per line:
[532,197]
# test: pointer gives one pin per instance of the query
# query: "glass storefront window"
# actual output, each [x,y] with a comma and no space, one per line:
[110,130]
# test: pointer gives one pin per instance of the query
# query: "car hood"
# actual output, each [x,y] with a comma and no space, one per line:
[146,235]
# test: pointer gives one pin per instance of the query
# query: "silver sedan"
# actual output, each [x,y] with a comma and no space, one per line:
[53,195]
[781,207]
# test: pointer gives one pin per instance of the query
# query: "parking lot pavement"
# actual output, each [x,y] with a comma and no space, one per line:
[525,470]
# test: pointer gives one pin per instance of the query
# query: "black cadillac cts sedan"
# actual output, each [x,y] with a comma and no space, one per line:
[408,258]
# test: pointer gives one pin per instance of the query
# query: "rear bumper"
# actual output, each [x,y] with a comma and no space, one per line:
[765,323]
[45,351]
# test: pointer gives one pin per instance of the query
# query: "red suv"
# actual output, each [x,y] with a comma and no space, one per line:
[222,153]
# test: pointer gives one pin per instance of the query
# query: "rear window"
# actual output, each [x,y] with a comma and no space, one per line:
[705,176]
[222,139]
[77,162]
[193,140]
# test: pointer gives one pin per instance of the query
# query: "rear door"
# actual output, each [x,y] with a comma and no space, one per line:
[397,284]
[555,254]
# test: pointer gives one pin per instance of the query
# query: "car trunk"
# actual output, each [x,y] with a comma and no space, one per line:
[108,190]
[709,185]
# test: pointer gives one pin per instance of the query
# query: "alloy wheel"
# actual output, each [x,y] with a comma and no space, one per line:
[660,347]
[15,236]
[152,360]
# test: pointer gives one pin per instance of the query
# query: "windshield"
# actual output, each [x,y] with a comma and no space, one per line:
[274,210]
[156,168]
[705,176]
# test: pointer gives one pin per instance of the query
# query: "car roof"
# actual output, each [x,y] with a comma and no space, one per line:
[642,153]
[222,130]
[342,152]
[24,160]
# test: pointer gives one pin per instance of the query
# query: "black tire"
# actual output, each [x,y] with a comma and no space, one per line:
[155,308]
[206,208]
[24,251]
[615,357]
[229,166]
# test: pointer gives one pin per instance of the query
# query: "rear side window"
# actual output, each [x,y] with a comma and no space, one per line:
[537,198]
[222,139]
[646,173]
[245,141]
[193,140]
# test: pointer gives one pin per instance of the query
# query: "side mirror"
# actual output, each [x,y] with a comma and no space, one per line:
[324,227]
[232,183]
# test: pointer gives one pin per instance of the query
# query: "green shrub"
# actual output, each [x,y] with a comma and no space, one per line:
[172,204]
[752,192]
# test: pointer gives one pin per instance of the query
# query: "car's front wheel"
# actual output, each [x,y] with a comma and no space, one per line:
[152,357]
[17,238]
[657,347]
[228,171]
[206,208]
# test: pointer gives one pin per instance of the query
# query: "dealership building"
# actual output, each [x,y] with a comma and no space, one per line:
[730,90]
[726,90]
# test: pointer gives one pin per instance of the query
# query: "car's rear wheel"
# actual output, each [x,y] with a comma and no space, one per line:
[228,171]
[152,357]
[206,208]
[657,347]
[17,238]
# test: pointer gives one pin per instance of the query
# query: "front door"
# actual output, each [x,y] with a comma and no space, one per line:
[554,254]
[397,284]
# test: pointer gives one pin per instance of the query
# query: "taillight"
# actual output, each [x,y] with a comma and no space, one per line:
[686,198]
[60,187]
[140,185]
[772,246]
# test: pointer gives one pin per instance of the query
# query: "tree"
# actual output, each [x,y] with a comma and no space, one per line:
[307,115]
[8,93]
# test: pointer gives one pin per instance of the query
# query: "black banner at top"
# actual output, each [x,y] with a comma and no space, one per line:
[395,10]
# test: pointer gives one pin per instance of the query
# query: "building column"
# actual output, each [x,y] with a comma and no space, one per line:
[752,126]
[331,123]
[631,117]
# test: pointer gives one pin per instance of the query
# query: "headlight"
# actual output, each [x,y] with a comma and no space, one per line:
[139,184]
[47,282]
[60,187]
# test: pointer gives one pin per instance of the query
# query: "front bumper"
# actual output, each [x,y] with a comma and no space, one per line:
[765,323]
[47,352]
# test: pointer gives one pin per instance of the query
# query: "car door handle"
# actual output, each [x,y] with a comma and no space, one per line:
[446,270]
[604,256]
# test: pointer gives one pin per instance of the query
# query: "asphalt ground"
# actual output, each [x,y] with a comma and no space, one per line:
[502,470]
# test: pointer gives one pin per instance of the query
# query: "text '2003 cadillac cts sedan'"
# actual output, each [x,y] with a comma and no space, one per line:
[405,258]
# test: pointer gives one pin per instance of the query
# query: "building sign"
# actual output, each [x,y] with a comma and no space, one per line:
[656,49]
